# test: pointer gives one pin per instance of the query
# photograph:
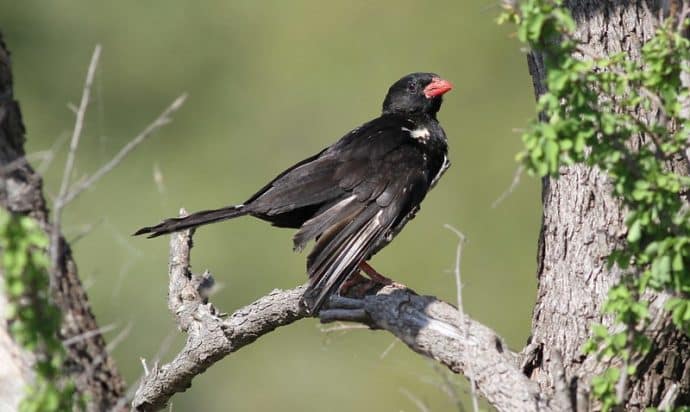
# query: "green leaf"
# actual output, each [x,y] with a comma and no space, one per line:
[599,330]
[551,153]
[534,27]
[634,232]
[677,264]
[557,80]
[16,289]
[590,347]
[619,340]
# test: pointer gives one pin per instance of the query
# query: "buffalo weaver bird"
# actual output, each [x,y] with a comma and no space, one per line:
[353,197]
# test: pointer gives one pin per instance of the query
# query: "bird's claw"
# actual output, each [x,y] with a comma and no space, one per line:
[357,286]
[341,308]
[343,302]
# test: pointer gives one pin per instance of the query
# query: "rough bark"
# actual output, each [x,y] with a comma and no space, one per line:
[88,362]
[582,224]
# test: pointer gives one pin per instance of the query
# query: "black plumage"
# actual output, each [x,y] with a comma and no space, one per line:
[353,197]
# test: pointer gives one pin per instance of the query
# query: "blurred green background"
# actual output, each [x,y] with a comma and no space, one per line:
[269,83]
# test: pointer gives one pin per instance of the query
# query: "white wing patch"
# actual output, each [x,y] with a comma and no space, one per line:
[422,134]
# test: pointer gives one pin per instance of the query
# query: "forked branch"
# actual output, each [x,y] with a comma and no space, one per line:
[430,327]
[211,335]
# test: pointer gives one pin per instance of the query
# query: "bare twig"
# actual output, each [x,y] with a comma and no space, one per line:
[458,284]
[145,366]
[165,345]
[163,349]
[114,343]
[84,231]
[71,154]
[88,335]
[513,185]
[448,387]
[420,404]
[456,271]
[120,337]
[388,349]
[161,120]
[48,160]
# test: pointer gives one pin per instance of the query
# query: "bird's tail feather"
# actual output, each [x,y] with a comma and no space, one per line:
[338,254]
[204,217]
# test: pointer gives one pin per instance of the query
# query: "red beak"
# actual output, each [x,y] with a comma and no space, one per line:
[437,87]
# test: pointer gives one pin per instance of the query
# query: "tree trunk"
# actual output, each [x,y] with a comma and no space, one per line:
[88,362]
[582,223]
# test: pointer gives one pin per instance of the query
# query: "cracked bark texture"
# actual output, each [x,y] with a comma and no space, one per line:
[88,362]
[582,223]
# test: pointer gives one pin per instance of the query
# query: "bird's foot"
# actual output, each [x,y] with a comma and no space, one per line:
[351,281]
[358,286]
[377,277]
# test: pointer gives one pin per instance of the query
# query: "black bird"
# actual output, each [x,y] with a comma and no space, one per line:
[353,197]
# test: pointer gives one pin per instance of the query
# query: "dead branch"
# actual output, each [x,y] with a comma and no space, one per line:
[71,154]
[210,335]
[513,185]
[434,329]
[160,121]
[458,286]
[428,326]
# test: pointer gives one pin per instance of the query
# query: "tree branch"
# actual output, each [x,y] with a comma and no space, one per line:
[210,336]
[430,327]
[160,121]
[71,155]
[437,330]
[458,286]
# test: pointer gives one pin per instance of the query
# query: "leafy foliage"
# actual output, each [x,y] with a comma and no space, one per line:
[34,321]
[589,115]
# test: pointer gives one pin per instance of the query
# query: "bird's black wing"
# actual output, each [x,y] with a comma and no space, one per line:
[380,195]
[301,191]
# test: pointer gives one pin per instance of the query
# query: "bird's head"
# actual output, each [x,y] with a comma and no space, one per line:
[416,93]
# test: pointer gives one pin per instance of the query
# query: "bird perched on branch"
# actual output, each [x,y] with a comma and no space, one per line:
[353,197]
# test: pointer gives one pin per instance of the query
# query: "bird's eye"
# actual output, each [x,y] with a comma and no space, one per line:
[412,87]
